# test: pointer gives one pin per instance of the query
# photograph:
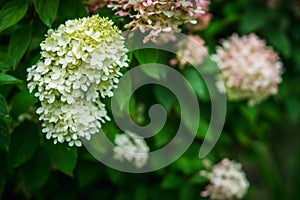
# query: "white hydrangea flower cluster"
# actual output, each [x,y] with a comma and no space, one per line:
[250,69]
[227,181]
[132,148]
[80,62]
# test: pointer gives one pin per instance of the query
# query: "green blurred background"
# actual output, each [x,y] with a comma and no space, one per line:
[264,138]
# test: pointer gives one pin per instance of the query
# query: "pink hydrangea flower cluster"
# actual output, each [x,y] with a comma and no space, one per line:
[250,69]
[227,181]
[160,16]
[190,50]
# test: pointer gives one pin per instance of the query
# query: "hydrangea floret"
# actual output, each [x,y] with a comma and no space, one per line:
[80,62]
[132,148]
[249,68]
[227,181]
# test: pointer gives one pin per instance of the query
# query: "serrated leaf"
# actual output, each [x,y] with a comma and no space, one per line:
[8,79]
[18,44]
[3,107]
[4,136]
[21,103]
[12,12]
[36,172]
[24,141]
[46,10]
[63,157]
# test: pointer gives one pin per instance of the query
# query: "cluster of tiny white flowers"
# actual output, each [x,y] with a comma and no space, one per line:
[227,181]
[190,50]
[80,62]
[132,148]
[250,69]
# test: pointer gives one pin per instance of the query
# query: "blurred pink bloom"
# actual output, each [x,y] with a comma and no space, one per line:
[190,50]
[250,69]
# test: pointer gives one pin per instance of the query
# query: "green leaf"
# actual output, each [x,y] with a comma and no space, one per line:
[171,181]
[164,136]
[293,109]
[279,39]
[4,61]
[187,165]
[87,173]
[269,170]
[251,21]
[3,67]
[8,79]
[187,191]
[71,9]
[250,113]
[203,130]
[141,193]
[4,136]
[164,96]
[63,156]
[36,172]
[12,12]
[197,83]
[150,57]
[296,57]
[145,56]
[21,103]
[197,179]
[3,107]
[18,44]
[155,72]
[46,10]
[24,141]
